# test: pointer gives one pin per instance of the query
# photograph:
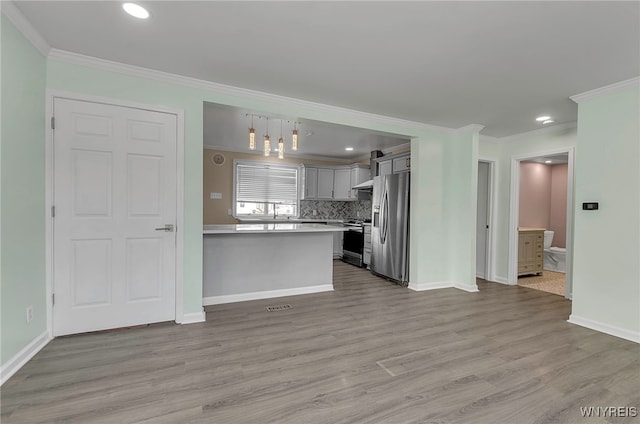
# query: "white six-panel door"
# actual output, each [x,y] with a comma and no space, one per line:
[114,186]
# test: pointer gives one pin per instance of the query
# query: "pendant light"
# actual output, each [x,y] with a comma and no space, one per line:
[281,144]
[294,137]
[252,136]
[267,141]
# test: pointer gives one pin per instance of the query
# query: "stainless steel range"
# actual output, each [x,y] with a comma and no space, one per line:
[353,242]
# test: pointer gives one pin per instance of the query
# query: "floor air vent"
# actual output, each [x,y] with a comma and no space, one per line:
[276,308]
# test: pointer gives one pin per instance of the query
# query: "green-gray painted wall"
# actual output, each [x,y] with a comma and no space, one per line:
[22,280]
[606,255]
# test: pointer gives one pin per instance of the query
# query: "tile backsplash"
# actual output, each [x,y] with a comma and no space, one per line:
[327,209]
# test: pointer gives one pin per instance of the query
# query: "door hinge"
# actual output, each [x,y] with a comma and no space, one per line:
[487,226]
[53,298]
[53,123]
[53,211]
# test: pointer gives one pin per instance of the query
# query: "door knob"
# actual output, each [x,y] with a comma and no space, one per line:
[167,227]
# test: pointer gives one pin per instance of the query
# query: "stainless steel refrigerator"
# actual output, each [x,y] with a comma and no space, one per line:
[390,227]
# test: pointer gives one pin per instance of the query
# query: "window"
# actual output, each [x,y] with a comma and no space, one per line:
[265,189]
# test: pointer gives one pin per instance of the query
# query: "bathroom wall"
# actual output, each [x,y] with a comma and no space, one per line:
[543,198]
[535,195]
[558,212]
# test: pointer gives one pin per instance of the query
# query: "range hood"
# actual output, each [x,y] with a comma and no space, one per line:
[367,185]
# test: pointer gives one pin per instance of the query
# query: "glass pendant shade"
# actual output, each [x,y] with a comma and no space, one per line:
[281,148]
[252,139]
[294,140]
[267,145]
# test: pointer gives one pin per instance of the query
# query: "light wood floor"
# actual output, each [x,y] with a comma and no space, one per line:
[369,352]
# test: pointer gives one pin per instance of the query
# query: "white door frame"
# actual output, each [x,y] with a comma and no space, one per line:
[514,212]
[49,186]
[491,215]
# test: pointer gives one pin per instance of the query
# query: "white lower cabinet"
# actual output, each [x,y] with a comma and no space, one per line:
[337,244]
[366,251]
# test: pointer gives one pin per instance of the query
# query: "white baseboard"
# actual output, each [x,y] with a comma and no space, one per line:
[612,330]
[231,298]
[443,285]
[502,280]
[471,288]
[22,357]
[193,318]
[430,286]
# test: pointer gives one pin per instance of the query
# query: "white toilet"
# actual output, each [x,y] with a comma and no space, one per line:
[554,257]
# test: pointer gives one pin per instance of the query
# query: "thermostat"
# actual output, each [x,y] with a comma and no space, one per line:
[590,206]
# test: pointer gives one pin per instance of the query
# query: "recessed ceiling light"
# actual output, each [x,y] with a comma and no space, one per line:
[135,10]
[348,149]
[548,121]
[542,118]
[547,161]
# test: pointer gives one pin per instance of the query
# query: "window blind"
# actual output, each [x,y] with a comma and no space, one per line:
[266,183]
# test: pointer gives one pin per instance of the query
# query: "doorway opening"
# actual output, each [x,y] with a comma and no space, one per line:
[540,245]
[484,217]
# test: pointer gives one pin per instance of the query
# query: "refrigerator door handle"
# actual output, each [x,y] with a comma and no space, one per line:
[385,229]
[381,225]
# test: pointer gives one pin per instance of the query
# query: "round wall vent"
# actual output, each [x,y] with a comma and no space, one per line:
[217,159]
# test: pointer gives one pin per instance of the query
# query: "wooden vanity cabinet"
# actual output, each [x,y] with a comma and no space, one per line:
[530,251]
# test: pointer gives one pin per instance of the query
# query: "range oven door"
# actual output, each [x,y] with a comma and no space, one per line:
[352,245]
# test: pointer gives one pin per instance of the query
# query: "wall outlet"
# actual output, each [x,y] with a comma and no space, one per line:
[29,313]
[229,212]
[314,212]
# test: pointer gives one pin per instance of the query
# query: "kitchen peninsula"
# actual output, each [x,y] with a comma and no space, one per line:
[258,261]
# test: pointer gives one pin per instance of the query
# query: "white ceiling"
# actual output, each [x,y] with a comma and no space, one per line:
[550,159]
[451,64]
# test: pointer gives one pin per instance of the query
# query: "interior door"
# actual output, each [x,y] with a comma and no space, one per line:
[115,215]
[482,220]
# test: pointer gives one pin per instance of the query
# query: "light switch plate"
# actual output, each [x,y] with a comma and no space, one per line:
[215,196]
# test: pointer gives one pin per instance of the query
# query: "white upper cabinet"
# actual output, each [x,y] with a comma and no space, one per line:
[394,164]
[310,183]
[325,183]
[359,174]
[333,183]
[385,167]
[402,164]
[342,184]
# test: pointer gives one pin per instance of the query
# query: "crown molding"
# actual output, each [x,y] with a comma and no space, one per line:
[606,90]
[24,26]
[469,128]
[541,131]
[287,155]
[353,117]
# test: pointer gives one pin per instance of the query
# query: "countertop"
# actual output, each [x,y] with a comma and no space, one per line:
[530,229]
[271,228]
[293,220]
